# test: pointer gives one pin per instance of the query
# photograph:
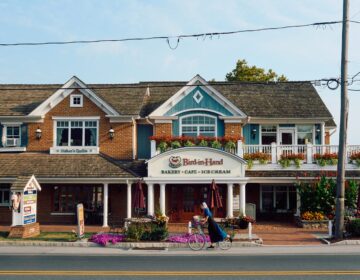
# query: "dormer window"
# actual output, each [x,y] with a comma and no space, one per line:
[76,100]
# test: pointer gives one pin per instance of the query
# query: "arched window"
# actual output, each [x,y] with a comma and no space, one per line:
[195,125]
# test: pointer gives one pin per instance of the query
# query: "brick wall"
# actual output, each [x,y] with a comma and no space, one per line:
[162,129]
[119,148]
[232,129]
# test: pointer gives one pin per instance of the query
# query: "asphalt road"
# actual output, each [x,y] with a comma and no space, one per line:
[156,266]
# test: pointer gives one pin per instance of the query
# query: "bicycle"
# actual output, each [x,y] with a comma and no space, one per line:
[197,240]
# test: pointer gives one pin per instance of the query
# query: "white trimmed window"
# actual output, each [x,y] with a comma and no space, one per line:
[305,134]
[268,134]
[77,133]
[76,100]
[12,136]
[277,198]
[196,125]
[4,196]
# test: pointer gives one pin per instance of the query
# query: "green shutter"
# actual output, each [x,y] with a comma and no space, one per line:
[24,135]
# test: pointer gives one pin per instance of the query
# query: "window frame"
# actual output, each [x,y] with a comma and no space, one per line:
[5,134]
[72,98]
[83,128]
[312,133]
[181,125]
[274,191]
[2,191]
[275,133]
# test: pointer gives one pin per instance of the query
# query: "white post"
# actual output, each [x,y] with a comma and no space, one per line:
[150,199]
[298,203]
[128,201]
[162,199]
[309,153]
[240,149]
[229,201]
[106,205]
[189,227]
[152,148]
[250,230]
[242,199]
[273,153]
[330,228]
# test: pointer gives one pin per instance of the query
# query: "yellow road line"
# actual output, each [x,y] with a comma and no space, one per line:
[178,273]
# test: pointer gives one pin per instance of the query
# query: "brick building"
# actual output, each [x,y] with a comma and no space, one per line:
[92,143]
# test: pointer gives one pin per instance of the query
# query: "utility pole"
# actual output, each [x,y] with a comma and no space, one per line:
[340,189]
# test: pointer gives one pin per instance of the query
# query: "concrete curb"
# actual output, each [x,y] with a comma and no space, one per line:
[346,242]
[122,245]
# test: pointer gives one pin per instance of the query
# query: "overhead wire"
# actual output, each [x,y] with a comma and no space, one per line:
[177,37]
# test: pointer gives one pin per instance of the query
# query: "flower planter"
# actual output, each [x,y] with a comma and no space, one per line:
[322,224]
[243,224]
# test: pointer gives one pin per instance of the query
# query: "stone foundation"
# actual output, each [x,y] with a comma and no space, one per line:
[25,231]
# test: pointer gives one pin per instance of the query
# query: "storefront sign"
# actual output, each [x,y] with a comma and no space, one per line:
[196,162]
[80,220]
[73,150]
[29,206]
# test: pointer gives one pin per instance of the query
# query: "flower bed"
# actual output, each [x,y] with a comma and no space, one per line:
[104,238]
[164,143]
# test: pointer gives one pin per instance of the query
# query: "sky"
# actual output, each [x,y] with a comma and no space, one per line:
[300,54]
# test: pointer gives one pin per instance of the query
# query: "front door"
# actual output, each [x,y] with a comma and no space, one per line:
[186,200]
[287,137]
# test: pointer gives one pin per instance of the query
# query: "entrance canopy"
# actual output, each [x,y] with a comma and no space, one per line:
[196,165]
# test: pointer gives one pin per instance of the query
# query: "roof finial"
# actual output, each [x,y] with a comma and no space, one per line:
[147,93]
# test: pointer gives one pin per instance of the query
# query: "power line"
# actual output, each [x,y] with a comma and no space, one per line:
[177,37]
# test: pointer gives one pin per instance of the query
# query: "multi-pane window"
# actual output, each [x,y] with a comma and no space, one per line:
[67,197]
[196,125]
[278,198]
[304,134]
[76,133]
[76,100]
[268,134]
[4,196]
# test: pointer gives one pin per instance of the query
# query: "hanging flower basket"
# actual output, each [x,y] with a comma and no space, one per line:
[243,224]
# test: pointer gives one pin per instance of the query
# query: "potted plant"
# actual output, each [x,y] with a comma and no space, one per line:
[326,159]
[175,144]
[162,146]
[262,158]
[355,158]
[244,221]
[216,144]
[287,159]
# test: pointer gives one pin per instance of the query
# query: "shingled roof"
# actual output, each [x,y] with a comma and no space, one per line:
[271,100]
[44,165]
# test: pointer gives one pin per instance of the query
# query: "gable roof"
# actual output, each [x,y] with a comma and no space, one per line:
[270,100]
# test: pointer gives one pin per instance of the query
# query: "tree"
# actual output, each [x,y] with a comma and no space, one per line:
[244,72]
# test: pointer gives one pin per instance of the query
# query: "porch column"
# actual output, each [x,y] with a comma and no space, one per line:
[106,205]
[242,198]
[229,201]
[298,203]
[128,201]
[150,199]
[162,199]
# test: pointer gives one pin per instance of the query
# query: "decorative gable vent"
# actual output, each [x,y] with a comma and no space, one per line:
[198,97]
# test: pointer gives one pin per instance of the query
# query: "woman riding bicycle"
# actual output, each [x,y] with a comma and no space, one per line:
[215,232]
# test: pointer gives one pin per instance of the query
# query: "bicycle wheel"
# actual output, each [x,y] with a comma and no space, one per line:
[225,244]
[196,241]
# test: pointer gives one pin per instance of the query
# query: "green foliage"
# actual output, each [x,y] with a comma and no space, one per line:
[318,196]
[353,227]
[175,144]
[151,231]
[244,72]
[285,162]
[351,191]
[216,144]
[230,145]
[203,143]
[162,146]
[189,143]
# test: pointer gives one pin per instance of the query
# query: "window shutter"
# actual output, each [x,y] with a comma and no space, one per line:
[24,135]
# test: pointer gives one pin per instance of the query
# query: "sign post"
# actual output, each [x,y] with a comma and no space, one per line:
[24,207]
[80,220]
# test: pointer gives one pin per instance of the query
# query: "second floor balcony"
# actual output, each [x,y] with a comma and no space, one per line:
[267,157]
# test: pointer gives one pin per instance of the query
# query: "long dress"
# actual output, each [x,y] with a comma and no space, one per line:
[215,232]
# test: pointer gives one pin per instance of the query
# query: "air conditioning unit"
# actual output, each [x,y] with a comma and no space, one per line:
[12,142]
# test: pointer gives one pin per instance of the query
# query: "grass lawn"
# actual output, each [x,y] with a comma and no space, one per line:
[46,236]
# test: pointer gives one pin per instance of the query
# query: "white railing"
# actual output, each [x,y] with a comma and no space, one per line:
[275,152]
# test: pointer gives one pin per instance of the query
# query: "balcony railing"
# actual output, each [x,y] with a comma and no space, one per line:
[273,153]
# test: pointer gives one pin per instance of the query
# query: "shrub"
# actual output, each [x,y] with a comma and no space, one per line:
[354,227]
[151,231]
[216,144]
[175,144]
